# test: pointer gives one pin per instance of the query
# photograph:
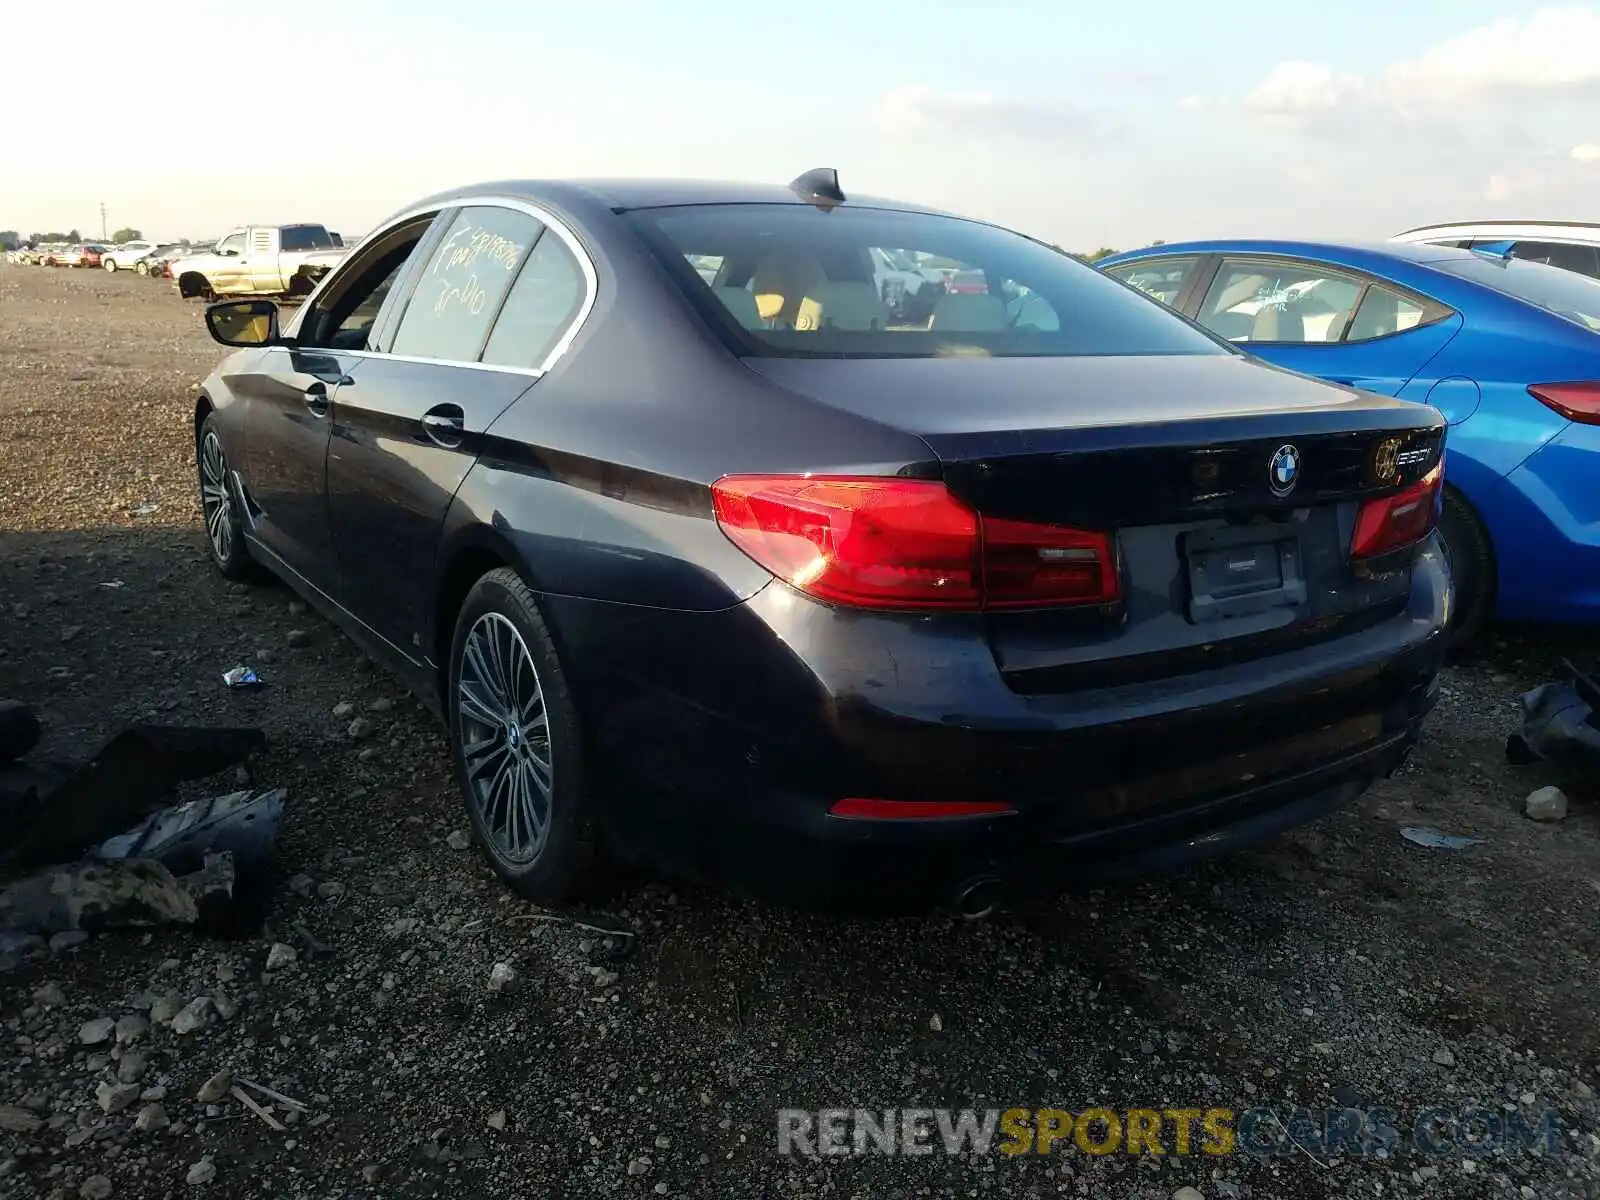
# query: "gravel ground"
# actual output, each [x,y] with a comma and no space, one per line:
[1338,966]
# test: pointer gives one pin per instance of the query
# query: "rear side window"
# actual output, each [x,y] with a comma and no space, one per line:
[1163,278]
[460,290]
[1382,313]
[1253,301]
[306,237]
[793,280]
[540,306]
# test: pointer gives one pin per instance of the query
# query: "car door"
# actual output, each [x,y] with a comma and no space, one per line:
[226,273]
[405,437]
[289,400]
[1331,322]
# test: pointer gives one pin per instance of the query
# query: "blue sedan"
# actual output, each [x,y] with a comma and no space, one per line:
[1507,350]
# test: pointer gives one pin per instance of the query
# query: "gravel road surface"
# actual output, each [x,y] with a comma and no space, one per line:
[1341,966]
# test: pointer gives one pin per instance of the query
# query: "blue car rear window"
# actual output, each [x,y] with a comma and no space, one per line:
[794,280]
[1565,293]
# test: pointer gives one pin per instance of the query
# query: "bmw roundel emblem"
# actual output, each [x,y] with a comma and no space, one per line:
[1283,471]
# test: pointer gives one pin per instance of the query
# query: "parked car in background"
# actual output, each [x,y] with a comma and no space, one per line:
[123,255]
[1505,348]
[63,256]
[91,256]
[746,580]
[159,264]
[1571,246]
[260,260]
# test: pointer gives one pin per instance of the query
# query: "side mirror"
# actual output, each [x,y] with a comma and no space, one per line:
[243,322]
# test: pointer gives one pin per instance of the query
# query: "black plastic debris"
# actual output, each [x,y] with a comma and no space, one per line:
[122,784]
[19,730]
[1560,724]
[243,824]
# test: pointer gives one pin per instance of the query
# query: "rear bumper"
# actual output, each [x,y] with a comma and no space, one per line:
[727,736]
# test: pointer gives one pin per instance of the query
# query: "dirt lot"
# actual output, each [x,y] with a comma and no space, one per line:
[1341,966]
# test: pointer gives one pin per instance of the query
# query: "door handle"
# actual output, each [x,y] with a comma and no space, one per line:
[316,398]
[444,425]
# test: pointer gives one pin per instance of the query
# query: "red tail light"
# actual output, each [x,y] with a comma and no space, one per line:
[1404,519]
[1575,401]
[917,810]
[907,544]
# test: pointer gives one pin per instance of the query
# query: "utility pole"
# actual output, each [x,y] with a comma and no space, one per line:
[103,234]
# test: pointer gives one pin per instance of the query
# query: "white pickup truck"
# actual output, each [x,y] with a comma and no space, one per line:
[260,260]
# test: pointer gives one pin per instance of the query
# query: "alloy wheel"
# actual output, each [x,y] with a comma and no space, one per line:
[505,738]
[216,498]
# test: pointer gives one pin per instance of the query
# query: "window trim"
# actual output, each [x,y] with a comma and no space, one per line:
[454,205]
[1433,311]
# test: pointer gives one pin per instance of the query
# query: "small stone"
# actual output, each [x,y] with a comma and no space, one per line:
[96,1187]
[164,1008]
[297,608]
[638,1166]
[227,1008]
[281,956]
[1546,804]
[371,1172]
[70,633]
[342,710]
[195,1015]
[1444,1058]
[49,995]
[663,1142]
[151,1118]
[497,1119]
[302,885]
[114,1097]
[330,890]
[1188,1193]
[297,638]
[132,1067]
[936,1023]
[18,1120]
[360,728]
[216,1087]
[459,839]
[381,705]
[153,1093]
[131,1028]
[96,1031]
[661,1188]
[201,1172]
[67,939]
[501,976]
[265,655]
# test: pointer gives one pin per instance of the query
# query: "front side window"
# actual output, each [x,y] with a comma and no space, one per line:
[794,280]
[541,304]
[343,315]
[1163,278]
[1279,302]
[460,290]
[232,244]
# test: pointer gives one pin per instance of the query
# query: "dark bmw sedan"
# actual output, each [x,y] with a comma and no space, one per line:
[715,565]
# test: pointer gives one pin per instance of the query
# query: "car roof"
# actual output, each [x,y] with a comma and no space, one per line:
[1418,252]
[624,194]
[1581,230]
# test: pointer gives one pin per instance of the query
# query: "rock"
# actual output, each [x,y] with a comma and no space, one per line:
[201,1172]
[297,608]
[49,995]
[96,1031]
[96,1187]
[165,1008]
[216,1087]
[381,705]
[459,839]
[227,1008]
[1188,1193]
[151,1118]
[302,885]
[131,1028]
[1546,804]
[342,710]
[330,890]
[297,638]
[114,1097]
[195,1015]
[360,728]
[132,1067]
[661,1188]
[371,1172]
[497,1119]
[502,976]
[1444,1058]
[936,1023]
[663,1142]
[153,1093]
[639,1166]
[18,1120]
[281,956]
[67,939]
[70,633]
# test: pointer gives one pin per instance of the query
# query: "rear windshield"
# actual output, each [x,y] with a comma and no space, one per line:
[1565,293]
[306,237]
[793,280]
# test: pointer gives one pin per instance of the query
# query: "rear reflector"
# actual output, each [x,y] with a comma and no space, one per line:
[1404,519]
[874,542]
[916,810]
[1575,401]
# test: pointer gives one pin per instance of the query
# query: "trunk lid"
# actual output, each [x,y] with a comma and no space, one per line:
[1232,487]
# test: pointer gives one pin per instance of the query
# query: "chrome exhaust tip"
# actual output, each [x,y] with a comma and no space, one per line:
[979,896]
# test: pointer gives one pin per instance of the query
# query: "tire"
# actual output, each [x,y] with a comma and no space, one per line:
[219,506]
[502,753]
[141,267]
[1472,569]
[110,265]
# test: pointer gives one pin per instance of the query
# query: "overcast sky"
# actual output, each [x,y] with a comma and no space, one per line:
[1087,124]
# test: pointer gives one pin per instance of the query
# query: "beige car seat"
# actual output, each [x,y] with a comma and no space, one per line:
[853,306]
[782,280]
[965,312]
